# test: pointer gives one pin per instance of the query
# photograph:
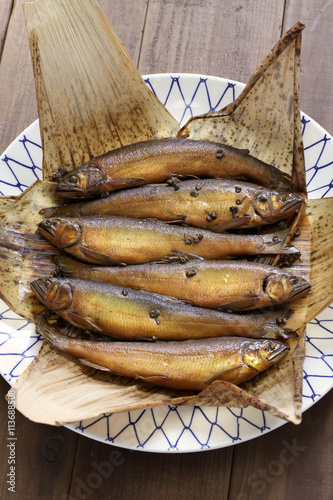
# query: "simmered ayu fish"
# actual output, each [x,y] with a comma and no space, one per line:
[159,159]
[189,364]
[125,313]
[235,285]
[216,204]
[117,240]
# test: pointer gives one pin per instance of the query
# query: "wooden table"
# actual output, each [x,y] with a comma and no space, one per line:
[215,37]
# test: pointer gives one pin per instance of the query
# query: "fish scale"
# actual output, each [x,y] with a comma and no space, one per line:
[216,204]
[116,240]
[156,160]
[237,285]
[188,364]
[125,313]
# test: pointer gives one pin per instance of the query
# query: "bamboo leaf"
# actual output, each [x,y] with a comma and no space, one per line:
[90,96]
[265,118]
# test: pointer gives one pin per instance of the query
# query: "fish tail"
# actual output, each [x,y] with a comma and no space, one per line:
[273,323]
[48,212]
[43,327]
[275,243]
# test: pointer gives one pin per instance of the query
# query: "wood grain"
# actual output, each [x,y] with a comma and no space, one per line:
[316,57]
[214,38]
[291,462]
[128,20]
[44,457]
[5,10]
[145,476]
[17,96]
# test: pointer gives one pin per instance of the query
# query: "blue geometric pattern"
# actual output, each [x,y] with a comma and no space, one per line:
[171,428]
[21,168]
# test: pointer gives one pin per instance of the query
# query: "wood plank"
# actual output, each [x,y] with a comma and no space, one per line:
[290,462]
[316,57]
[105,472]
[17,96]
[127,18]
[212,38]
[5,11]
[43,456]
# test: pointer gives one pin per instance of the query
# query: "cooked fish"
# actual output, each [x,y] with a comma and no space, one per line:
[160,159]
[236,285]
[216,204]
[117,240]
[125,313]
[188,364]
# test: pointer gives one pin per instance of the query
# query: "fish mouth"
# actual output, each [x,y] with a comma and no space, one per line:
[63,187]
[292,205]
[48,228]
[38,290]
[278,353]
[300,290]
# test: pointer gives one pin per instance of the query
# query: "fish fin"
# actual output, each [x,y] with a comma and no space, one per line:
[231,224]
[228,374]
[170,221]
[182,177]
[67,266]
[241,304]
[153,379]
[280,333]
[177,256]
[93,255]
[123,182]
[243,152]
[273,325]
[48,212]
[83,322]
[93,365]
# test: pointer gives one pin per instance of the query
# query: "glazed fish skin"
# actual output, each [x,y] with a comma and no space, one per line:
[216,204]
[154,161]
[125,313]
[189,364]
[116,240]
[235,285]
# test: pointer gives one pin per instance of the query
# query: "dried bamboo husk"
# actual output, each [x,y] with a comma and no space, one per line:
[64,391]
[24,254]
[91,97]
[265,118]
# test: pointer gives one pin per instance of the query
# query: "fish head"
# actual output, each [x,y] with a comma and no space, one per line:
[54,293]
[63,233]
[82,182]
[260,354]
[283,287]
[273,205]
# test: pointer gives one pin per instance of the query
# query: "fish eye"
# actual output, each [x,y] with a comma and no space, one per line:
[263,199]
[47,284]
[283,198]
[293,280]
[269,346]
[72,179]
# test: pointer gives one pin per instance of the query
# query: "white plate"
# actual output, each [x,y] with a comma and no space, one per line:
[171,429]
